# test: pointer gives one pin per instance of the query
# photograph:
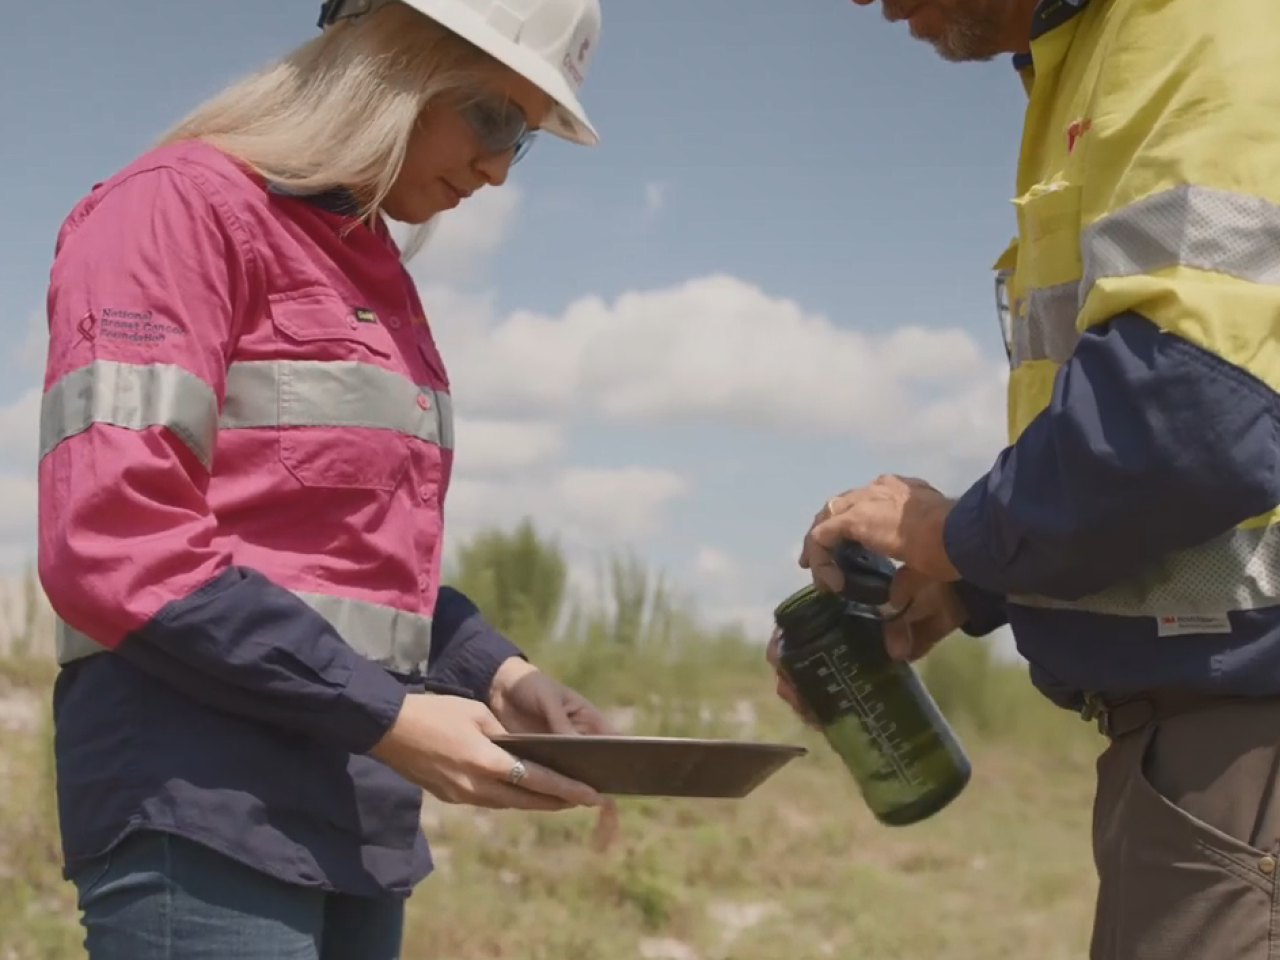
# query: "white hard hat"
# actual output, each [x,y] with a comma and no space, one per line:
[548,42]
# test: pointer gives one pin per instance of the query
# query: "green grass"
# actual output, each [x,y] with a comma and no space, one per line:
[799,869]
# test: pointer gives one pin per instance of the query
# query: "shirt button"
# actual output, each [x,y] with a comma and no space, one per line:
[425,492]
[352,322]
[423,582]
[423,402]
[1267,865]
[393,323]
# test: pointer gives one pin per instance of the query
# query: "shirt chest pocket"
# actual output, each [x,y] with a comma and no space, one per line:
[345,414]
[1045,297]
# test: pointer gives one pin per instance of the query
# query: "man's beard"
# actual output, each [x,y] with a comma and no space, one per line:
[973,33]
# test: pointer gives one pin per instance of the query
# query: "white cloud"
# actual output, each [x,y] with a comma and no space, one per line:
[19,440]
[715,568]
[30,355]
[18,505]
[629,500]
[725,592]
[20,430]
[500,446]
[587,507]
[720,349]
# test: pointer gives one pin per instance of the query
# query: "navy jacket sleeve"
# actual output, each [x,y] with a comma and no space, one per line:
[1149,444]
[465,651]
[986,611]
[247,646]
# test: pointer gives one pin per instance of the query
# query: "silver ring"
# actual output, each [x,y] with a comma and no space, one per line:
[518,772]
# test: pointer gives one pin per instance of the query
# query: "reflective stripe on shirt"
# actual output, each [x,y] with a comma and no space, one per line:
[396,639]
[271,393]
[260,394]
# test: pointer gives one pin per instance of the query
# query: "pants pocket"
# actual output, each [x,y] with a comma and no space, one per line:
[90,875]
[161,897]
[1171,831]
[1173,885]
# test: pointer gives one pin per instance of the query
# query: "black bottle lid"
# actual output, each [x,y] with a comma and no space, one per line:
[808,614]
[867,576]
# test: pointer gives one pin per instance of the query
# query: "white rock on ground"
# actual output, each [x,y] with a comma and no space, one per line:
[662,948]
[735,919]
[19,711]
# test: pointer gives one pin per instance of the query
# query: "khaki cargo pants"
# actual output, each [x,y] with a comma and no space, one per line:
[1186,836]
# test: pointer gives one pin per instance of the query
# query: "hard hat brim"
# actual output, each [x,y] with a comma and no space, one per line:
[567,119]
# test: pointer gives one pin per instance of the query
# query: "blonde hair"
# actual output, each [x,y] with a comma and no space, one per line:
[338,110]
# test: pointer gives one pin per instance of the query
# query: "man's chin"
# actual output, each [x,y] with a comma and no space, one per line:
[956,49]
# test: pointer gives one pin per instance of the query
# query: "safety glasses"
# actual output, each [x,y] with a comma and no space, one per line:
[499,125]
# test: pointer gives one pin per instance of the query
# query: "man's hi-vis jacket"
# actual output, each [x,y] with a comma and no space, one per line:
[246,443]
[1130,527]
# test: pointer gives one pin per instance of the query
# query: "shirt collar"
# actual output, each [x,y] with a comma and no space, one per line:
[337,200]
[1048,15]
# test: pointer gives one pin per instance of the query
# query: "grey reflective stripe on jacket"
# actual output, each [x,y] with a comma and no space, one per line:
[396,639]
[1197,228]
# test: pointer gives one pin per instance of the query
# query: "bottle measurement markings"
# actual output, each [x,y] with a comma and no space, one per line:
[855,695]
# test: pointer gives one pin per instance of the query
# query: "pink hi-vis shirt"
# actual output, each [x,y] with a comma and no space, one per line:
[246,442]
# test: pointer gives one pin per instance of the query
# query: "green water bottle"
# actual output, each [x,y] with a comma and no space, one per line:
[874,711]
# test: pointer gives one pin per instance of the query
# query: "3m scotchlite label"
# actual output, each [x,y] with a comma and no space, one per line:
[1193,624]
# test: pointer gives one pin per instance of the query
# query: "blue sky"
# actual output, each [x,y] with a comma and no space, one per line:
[721,298]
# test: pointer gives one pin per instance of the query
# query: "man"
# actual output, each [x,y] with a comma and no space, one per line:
[1128,533]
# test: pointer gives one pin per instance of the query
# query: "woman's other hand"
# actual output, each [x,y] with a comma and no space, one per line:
[526,700]
[443,744]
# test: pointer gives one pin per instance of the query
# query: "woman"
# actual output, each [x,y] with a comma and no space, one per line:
[245,450]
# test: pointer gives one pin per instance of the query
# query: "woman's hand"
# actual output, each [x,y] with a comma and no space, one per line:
[526,700]
[443,745]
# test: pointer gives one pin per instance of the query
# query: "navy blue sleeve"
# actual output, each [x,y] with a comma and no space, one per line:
[465,651]
[986,611]
[1149,444]
[247,646]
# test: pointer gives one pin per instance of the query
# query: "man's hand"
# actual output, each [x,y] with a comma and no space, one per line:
[899,517]
[933,613]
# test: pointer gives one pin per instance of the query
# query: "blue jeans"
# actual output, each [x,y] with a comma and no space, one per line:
[160,897]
